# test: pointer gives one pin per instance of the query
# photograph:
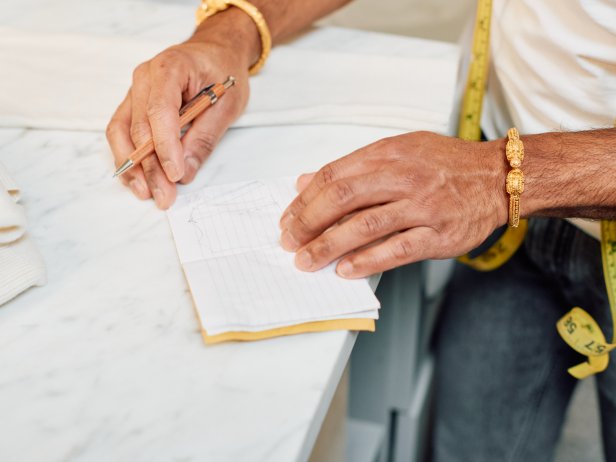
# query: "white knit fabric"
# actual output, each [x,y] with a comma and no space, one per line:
[21,265]
[343,87]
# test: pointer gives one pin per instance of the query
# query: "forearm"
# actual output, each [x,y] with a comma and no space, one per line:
[283,17]
[568,174]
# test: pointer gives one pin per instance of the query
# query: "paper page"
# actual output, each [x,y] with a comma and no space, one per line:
[228,242]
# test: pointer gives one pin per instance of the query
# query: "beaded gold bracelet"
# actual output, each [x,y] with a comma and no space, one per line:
[515,178]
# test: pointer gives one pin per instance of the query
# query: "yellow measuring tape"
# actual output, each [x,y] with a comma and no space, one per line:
[577,327]
[469,128]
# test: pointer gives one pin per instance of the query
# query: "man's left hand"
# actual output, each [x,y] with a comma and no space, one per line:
[400,200]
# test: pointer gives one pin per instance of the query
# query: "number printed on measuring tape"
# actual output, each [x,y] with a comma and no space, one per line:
[579,329]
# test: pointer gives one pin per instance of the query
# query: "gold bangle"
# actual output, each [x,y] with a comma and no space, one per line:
[515,178]
[209,8]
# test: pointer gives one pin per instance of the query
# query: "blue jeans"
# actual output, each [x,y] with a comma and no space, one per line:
[502,386]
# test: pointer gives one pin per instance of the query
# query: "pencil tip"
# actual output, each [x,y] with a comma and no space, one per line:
[125,166]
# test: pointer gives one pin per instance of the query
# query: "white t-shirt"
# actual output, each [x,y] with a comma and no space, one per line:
[553,68]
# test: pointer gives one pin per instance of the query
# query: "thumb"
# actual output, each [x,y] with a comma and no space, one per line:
[204,134]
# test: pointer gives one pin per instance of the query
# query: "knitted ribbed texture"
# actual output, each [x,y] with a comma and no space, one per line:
[21,265]
[12,218]
[8,183]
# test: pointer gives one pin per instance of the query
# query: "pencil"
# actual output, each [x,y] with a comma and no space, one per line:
[202,100]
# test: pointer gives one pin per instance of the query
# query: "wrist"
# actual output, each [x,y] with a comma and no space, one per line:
[546,181]
[565,174]
[495,163]
[233,30]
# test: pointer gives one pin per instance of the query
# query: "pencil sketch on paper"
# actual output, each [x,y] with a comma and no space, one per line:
[241,279]
[237,217]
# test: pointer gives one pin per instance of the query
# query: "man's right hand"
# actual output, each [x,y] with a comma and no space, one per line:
[160,86]
[226,44]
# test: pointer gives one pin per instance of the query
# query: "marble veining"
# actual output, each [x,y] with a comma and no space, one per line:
[105,362]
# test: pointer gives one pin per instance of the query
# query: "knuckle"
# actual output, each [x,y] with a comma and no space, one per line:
[423,135]
[429,215]
[402,249]
[155,109]
[341,193]
[170,62]
[166,58]
[298,205]
[408,178]
[326,175]
[303,222]
[383,144]
[149,167]
[205,144]
[139,131]
[321,248]
[140,71]
[300,202]
[395,148]
[113,128]
[173,54]
[370,224]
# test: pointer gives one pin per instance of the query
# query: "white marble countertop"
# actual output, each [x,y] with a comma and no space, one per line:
[106,361]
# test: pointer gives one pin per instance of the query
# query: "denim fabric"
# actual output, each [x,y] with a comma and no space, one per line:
[502,386]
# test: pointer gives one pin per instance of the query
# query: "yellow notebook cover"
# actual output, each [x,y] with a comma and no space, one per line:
[317,326]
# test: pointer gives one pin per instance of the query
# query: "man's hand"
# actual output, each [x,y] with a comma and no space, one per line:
[406,198]
[226,44]
[160,87]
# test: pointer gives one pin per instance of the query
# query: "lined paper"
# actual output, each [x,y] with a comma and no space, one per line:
[227,239]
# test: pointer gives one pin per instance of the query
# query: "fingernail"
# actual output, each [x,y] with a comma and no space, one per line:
[288,241]
[171,170]
[159,196]
[137,188]
[345,269]
[193,163]
[284,221]
[303,260]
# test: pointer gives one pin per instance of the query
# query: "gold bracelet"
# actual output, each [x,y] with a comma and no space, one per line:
[515,177]
[209,8]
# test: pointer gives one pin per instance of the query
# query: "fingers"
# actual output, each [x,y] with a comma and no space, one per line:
[164,101]
[162,189]
[151,111]
[140,130]
[128,127]
[334,201]
[364,228]
[411,246]
[152,114]
[118,136]
[158,183]
[204,134]
[303,181]
[350,165]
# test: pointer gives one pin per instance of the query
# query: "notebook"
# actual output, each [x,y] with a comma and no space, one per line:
[244,285]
